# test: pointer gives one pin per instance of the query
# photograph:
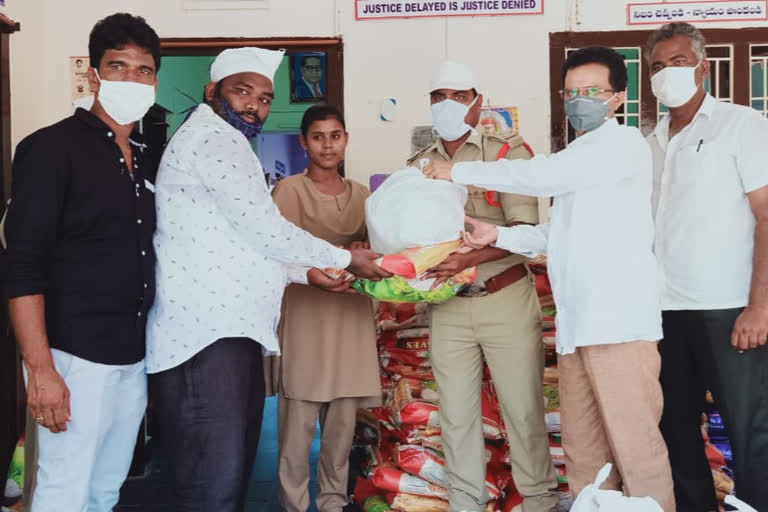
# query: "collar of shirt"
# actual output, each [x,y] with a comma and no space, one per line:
[661,132]
[312,88]
[89,119]
[608,125]
[475,139]
[205,113]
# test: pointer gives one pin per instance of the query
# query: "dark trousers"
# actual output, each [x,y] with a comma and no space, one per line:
[9,426]
[209,413]
[696,356]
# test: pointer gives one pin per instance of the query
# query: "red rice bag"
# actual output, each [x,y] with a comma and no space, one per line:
[497,478]
[493,425]
[389,478]
[416,358]
[422,462]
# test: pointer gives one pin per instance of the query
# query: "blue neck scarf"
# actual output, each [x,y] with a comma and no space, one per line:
[250,130]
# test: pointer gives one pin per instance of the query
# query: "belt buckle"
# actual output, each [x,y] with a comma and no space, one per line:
[473,290]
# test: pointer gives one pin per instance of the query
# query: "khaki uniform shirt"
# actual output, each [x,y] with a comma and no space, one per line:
[514,207]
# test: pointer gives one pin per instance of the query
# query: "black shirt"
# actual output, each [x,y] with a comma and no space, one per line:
[79,231]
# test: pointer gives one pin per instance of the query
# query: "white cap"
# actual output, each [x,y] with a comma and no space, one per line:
[453,75]
[246,60]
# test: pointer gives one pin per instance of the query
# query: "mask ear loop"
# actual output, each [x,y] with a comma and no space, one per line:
[694,71]
[606,102]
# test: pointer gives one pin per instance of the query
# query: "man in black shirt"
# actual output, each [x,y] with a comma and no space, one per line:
[80,274]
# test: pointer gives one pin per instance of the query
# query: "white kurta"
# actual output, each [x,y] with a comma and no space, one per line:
[599,241]
[224,252]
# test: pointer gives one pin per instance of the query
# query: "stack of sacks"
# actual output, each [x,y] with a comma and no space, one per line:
[405,467]
[405,464]
[551,377]
[718,450]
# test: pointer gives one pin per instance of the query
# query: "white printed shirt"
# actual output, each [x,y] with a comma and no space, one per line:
[224,252]
[705,226]
[599,241]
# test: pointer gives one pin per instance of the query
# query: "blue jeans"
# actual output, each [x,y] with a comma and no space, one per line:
[209,412]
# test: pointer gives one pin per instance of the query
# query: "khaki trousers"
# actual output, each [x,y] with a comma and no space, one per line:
[611,404]
[505,328]
[296,428]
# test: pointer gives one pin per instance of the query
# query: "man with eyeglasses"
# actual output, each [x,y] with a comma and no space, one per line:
[309,84]
[710,205]
[599,245]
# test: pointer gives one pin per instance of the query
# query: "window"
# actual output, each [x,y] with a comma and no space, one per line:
[758,90]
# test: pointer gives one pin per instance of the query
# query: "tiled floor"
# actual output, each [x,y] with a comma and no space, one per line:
[150,494]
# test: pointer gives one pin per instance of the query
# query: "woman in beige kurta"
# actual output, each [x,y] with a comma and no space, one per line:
[329,365]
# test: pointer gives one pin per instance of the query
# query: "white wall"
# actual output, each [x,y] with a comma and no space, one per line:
[382,59]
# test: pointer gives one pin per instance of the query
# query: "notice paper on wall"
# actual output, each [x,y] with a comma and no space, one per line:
[386,9]
[78,72]
[722,10]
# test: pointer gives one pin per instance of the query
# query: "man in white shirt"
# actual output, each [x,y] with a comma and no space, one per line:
[710,203]
[603,273]
[224,256]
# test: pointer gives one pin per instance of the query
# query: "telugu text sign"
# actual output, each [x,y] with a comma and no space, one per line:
[384,9]
[722,10]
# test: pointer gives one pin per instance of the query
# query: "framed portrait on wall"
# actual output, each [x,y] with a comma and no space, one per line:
[308,77]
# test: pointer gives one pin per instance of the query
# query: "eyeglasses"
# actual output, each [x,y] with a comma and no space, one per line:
[590,92]
[313,68]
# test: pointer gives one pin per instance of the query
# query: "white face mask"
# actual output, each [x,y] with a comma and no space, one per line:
[125,102]
[448,119]
[675,86]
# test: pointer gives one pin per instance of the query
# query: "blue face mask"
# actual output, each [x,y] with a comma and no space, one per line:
[250,130]
[586,114]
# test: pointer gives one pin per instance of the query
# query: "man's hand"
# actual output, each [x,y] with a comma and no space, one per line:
[318,279]
[438,170]
[480,235]
[364,265]
[750,330]
[48,399]
[359,245]
[449,267]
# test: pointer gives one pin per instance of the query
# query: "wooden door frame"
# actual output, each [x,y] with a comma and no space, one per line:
[13,401]
[332,46]
[740,38]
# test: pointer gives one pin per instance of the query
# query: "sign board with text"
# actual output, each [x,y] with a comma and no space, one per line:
[388,9]
[693,12]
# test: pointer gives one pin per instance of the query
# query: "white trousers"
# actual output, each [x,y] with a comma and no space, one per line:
[83,468]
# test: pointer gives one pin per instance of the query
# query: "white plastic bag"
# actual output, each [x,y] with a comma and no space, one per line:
[410,210]
[594,499]
[738,504]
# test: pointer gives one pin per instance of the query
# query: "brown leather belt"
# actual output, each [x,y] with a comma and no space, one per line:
[498,282]
[506,278]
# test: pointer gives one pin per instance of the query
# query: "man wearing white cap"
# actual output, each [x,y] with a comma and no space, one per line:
[224,256]
[496,320]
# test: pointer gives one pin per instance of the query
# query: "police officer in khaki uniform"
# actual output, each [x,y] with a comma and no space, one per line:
[497,320]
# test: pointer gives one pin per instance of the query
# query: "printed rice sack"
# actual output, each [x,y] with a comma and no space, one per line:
[389,478]
[422,462]
[413,503]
